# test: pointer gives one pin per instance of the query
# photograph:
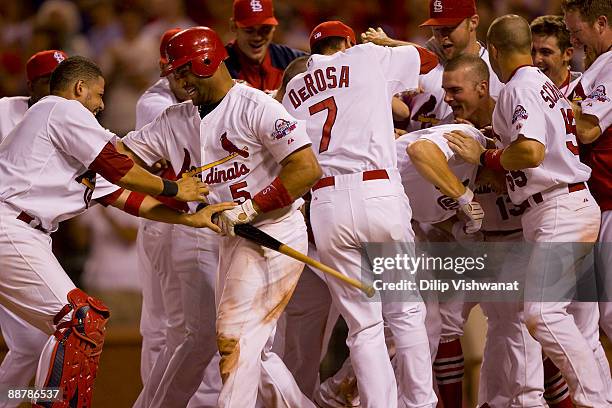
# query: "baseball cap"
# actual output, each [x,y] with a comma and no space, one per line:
[163,58]
[43,63]
[449,12]
[248,13]
[332,28]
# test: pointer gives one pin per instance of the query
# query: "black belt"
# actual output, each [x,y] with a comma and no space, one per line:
[28,220]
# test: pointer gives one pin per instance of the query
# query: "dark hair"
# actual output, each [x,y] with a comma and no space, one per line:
[589,9]
[297,66]
[510,33]
[329,43]
[479,68]
[552,26]
[72,70]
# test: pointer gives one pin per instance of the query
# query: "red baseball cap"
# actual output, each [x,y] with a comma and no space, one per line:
[449,12]
[163,58]
[248,13]
[331,29]
[43,63]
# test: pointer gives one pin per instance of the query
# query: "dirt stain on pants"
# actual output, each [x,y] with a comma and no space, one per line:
[229,348]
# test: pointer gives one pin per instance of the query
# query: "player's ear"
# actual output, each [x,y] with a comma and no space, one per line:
[568,54]
[79,88]
[232,25]
[473,22]
[601,24]
[483,88]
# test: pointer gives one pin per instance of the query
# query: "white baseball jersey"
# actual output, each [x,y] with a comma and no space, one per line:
[532,106]
[428,108]
[572,79]
[153,102]
[236,148]
[44,161]
[429,205]
[338,92]
[12,110]
[596,83]
[595,91]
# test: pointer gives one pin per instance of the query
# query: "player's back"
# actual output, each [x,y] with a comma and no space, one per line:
[12,110]
[429,205]
[345,99]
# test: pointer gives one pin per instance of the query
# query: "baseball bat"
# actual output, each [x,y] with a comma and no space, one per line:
[256,235]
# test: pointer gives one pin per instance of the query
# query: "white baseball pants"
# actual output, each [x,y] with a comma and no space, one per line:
[572,217]
[254,286]
[343,216]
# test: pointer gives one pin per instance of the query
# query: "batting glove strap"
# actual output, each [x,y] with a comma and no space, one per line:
[474,213]
[241,214]
[465,198]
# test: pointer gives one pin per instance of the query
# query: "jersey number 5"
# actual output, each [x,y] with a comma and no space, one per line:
[570,129]
[332,110]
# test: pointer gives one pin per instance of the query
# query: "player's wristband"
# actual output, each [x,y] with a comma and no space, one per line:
[273,197]
[170,188]
[491,158]
[465,198]
[133,203]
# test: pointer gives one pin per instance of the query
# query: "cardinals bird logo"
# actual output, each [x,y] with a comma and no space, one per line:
[519,113]
[226,145]
[230,147]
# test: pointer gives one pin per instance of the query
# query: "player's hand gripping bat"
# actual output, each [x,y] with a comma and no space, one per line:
[256,235]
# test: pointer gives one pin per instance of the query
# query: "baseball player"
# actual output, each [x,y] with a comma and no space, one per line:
[24,341]
[454,24]
[252,56]
[53,156]
[552,52]
[239,139]
[345,97]
[589,27]
[176,309]
[307,313]
[38,72]
[153,242]
[534,126]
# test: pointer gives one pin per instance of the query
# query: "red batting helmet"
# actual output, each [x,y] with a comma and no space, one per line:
[199,45]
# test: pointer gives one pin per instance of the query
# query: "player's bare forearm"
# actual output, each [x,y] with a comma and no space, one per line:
[587,126]
[154,210]
[300,171]
[523,153]
[379,37]
[432,165]
[138,179]
[400,110]
[185,189]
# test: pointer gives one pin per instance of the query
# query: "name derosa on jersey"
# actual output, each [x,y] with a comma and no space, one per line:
[317,81]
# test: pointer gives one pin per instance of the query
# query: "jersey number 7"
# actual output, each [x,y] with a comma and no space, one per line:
[328,104]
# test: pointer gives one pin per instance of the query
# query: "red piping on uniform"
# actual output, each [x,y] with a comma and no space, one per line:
[429,60]
[111,164]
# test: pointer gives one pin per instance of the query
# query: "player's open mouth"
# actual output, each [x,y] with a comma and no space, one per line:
[256,47]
